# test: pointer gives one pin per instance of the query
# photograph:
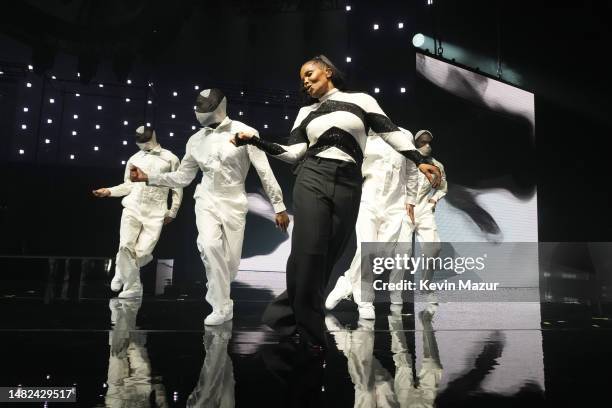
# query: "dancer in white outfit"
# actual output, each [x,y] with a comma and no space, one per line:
[144,214]
[382,215]
[221,200]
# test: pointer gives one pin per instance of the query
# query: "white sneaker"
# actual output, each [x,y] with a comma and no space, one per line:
[342,290]
[131,293]
[216,318]
[116,284]
[366,311]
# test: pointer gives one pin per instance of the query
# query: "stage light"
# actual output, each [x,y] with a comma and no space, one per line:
[30,67]
[376,27]
[24,127]
[174,93]
[149,102]
[348,59]
[376,90]
[171,134]
[72,157]
[101,85]
[241,93]
[173,116]
[29,85]
[123,162]
[267,102]
[47,141]
[400,25]
[125,142]
[77,94]
[196,87]
[51,100]
[75,116]
[97,126]
[99,107]
[403,90]
[240,113]
[74,133]
[53,77]
[21,151]
[265,126]
[418,40]
[25,109]
[429,2]
[125,123]
[49,120]
[148,124]
[1,72]
[127,100]
[129,81]
[78,74]
[96,148]
[286,96]
[286,117]
[193,127]
[348,8]
[194,108]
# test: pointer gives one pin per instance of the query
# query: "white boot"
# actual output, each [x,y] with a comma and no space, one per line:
[342,290]
[221,315]
[366,311]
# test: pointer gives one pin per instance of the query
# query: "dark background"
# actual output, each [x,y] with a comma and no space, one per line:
[253,49]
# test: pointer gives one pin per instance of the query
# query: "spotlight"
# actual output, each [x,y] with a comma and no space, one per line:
[376,27]
[348,7]
[194,108]
[429,2]
[49,120]
[148,124]
[403,90]
[240,113]
[196,87]
[72,157]
[77,94]
[265,126]
[241,93]
[418,40]
[174,93]
[127,100]
[171,134]
[47,141]
[101,85]
[193,127]
[125,123]
[149,102]
[53,77]
[376,90]
[24,127]
[21,151]
[286,117]
[97,126]
[400,25]
[75,116]
[173,116]
[123,162]
[51,100]
[99,107]
[25,109]
[74,133]
[125,142]
[29,85]
[78,74]
[129,82]
[96,148]
[30,67]
[348,59]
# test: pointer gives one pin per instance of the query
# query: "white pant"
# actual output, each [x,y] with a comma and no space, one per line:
[390,225]
[426,232]
[220,219]
[138,235]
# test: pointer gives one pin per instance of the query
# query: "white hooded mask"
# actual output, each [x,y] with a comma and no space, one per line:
[211,107]
[141,139]
[426,149]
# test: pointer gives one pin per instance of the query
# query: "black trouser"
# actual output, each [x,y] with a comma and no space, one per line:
[326,200]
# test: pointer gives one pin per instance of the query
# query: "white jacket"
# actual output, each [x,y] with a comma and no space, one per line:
[387,175]
[140,196]
[224,166]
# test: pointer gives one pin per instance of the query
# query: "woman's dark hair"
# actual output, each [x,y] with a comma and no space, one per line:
[337,77]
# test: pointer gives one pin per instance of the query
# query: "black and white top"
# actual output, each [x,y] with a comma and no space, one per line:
[336,127]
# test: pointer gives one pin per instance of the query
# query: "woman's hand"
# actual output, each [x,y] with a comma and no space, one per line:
[432,173]
[241,138]
[137,174]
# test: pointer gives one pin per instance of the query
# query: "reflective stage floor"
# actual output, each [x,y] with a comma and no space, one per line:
[157,351]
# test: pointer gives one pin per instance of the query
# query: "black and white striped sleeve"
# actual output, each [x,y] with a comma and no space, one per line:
[293,151]
[378,121]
